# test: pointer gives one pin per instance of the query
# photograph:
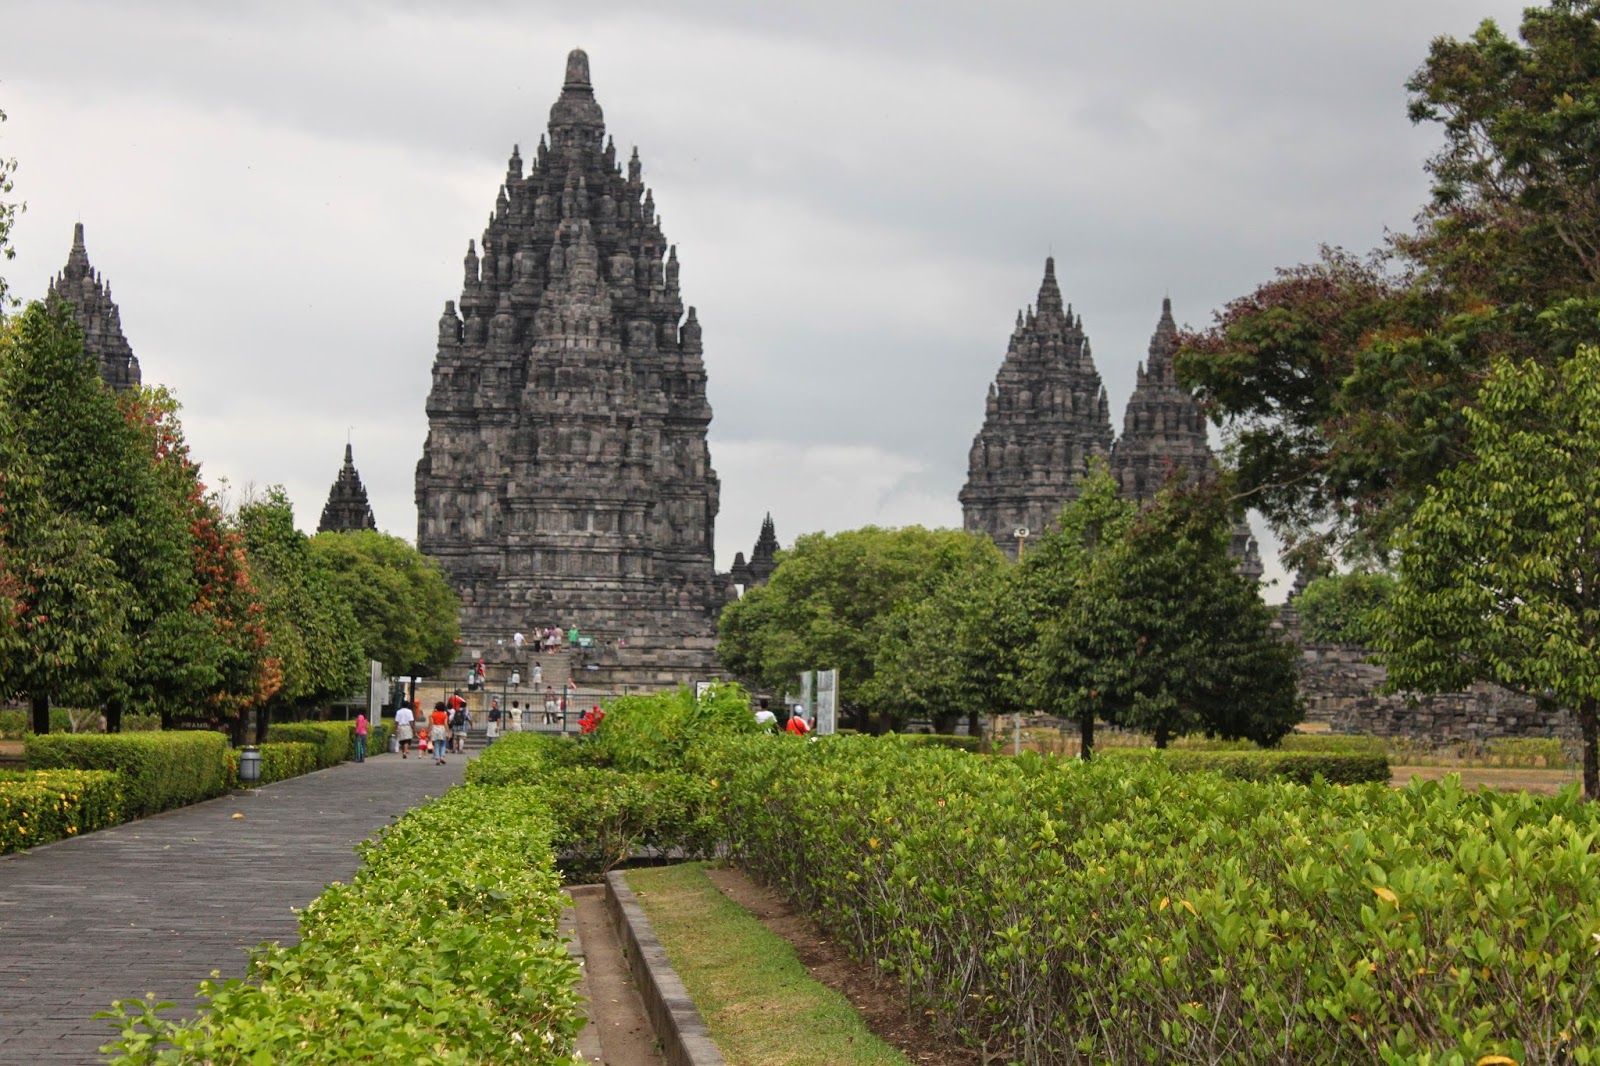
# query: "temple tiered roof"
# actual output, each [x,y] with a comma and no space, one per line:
[347,507]
[89,295]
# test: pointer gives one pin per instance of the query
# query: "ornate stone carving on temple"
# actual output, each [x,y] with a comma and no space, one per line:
[89,296]
[566,478]
[347,507]
[1046,416]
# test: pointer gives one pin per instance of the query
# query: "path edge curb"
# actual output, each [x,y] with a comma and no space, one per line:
[679,1028]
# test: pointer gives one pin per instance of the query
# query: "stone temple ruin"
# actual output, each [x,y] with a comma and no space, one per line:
[1047,416]
[566,480]
[82,288]
[347,507]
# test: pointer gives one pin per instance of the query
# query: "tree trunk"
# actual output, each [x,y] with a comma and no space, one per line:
[41,713]
[1086,737]
[113,717]
[263,716]
[1163,734]
[1589,722]
[972,721]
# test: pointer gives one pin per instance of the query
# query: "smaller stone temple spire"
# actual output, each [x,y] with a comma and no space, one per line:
[762,562]
[347,507]
[97,315]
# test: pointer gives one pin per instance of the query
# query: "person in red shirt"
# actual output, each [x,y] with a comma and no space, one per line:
[438,730]
[797,724]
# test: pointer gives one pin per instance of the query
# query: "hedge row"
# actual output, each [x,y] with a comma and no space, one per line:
[279,762]
[1114,911]
[16,724]
[442,949]
[1301,767]
[605,817]
[37,807]
[334,741]
[160,770]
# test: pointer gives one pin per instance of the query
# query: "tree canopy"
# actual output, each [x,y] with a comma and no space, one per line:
[405,610]
[1341,384]
[1498,566]
[830,602]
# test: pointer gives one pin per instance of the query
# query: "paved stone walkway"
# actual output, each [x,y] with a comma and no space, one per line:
[156,905]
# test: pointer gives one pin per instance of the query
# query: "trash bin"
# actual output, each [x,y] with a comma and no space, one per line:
[249,766]
[394,743]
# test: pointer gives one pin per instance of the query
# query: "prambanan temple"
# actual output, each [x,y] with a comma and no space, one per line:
[565,479]
[81,287]
[1047,417]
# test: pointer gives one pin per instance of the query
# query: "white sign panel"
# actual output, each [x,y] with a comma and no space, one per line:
[827,714]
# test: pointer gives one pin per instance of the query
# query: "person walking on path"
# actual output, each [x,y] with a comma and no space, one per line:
[439,732]
[549,706]
[797,724]
[494,718]
[403,719]
[361,738]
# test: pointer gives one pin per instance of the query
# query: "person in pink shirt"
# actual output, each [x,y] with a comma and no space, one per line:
[361,738]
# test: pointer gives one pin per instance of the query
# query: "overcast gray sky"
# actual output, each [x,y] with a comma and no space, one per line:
[862,195]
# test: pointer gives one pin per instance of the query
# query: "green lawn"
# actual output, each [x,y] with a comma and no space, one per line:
[761,1006]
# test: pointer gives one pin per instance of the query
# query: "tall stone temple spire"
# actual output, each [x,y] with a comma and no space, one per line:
[1164,435]
[347,507]
[566,478]
[81,286]
[1045,418]
[1163,429]
[762,556]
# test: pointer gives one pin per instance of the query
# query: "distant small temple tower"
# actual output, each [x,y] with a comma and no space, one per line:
[347,507]
[763,559]
[80,286]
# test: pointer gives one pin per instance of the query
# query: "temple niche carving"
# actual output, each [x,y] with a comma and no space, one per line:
[347,507]
[81,287]
[566,478]
[1046,417]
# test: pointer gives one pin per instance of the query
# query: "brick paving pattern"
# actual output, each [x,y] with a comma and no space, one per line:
[156,905]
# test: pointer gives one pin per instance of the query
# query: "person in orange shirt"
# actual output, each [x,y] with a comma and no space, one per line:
[438,731]
[797,723]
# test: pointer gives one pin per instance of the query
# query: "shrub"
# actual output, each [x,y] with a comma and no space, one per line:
[1301,767]
[46,805]
[940,740]
[1339,608]
[334,741]
[442,949]
[279,762]
[160,770]
[1364,745]
[526,758]
[654,732]
[606,817]
[1113,911]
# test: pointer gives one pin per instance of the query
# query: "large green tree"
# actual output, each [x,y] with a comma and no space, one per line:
[406,613]
[312,631]
[1341,384]
[1051,673]
[829,603]
[1166,636]
[937,659]
[1499,576]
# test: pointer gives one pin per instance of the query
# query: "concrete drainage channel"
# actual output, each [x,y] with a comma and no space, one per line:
[648,1019]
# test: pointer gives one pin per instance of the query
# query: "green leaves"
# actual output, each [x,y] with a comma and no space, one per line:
[1117,912]
[1498,566]
[442,949]
[407,614]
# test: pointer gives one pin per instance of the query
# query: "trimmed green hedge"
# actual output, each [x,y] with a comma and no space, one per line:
[1301,767]
[37,807]
[525,759]
[16,724]
[1059,911]
[443,949]
[605,817]
[334,741]
[279,762]
[160,770]
[939,740]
